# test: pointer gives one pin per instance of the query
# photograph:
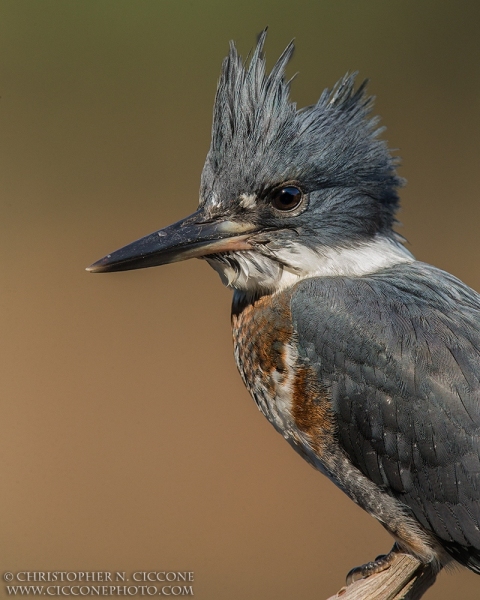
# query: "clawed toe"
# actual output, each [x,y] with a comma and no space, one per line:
[378,565]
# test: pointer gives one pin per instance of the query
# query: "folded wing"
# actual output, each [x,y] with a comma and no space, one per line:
[399,352]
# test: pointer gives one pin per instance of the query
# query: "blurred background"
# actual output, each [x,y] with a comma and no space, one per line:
[128,441]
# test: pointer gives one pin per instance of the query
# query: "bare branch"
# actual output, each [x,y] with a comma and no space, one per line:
[406,579]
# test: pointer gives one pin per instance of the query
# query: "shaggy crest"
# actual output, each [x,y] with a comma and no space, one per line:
[260,139]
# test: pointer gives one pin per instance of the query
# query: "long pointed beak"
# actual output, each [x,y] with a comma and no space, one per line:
[191,237]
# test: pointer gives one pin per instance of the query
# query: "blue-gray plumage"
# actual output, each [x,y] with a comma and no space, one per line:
[366,360]
[399,351]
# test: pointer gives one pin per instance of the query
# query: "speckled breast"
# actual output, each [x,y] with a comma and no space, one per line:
[284,387]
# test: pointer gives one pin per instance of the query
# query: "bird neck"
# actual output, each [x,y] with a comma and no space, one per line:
[255,273]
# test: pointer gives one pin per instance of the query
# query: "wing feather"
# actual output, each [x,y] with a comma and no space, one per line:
[399,351]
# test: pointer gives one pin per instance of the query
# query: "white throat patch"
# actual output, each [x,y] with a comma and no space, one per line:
[251,271]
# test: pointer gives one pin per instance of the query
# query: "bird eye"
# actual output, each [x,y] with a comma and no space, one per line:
[287,198]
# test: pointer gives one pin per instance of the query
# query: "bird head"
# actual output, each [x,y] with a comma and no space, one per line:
[285,193]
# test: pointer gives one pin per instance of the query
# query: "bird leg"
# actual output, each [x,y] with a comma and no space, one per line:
[378,565]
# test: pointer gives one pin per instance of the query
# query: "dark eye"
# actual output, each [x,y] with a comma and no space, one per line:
[287,198]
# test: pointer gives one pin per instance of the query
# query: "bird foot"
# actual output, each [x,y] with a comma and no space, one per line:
[381,563]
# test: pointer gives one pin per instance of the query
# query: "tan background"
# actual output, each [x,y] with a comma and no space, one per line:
[127,439]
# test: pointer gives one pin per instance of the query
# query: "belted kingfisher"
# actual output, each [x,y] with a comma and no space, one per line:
[366,360]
